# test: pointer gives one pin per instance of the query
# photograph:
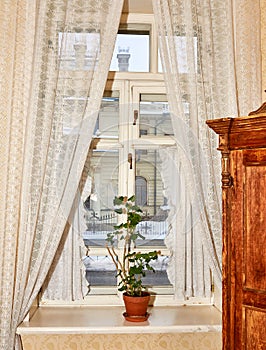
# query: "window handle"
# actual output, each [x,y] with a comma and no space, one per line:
[129,159]
[136,115]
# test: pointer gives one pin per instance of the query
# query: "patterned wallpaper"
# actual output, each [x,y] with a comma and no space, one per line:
[169,341]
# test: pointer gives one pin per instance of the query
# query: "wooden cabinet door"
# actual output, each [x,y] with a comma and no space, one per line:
[248,250]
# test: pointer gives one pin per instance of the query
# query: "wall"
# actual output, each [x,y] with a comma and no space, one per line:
[173,341]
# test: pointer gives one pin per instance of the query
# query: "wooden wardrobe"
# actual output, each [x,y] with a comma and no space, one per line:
[242,142]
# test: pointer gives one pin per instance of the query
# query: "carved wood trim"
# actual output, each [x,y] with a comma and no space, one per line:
[261,109]
[223,128]
[227,180]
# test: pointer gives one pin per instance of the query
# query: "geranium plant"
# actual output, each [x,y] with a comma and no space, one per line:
[131,265]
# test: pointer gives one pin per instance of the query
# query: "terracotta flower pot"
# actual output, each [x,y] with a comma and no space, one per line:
[136,307]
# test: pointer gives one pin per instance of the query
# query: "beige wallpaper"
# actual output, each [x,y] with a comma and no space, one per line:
[170,341]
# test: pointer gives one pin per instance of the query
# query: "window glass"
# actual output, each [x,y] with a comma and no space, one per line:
[141,191]
[154,115]
[100,270]
[159,278]
[99,215]
[108,118]
[126,57]
[153,226]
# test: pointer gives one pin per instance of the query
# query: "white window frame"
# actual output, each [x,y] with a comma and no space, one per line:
[128,141]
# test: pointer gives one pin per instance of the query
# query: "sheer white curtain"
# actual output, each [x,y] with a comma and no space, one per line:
[210,51]
[188,270]
[55,59]
[66,279]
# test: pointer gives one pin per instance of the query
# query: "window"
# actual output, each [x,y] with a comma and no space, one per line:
[108,118]
[133,125]
[141,190]
[154,115]
[129,43]
[113,172]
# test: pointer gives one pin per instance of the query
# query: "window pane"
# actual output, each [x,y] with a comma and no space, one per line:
[154,226]
[154,115]
[100,271]
[126,55]
[99,215]
[159,278]
[107,122]
[141,191]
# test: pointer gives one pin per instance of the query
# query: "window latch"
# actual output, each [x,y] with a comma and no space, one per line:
[136,115]
[129,159]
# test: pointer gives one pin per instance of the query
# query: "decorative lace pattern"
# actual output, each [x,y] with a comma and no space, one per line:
[218,74]
[66,278]
[188,270]
[248,49]
[55,60]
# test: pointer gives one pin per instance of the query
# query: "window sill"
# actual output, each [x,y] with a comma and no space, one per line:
[110,320]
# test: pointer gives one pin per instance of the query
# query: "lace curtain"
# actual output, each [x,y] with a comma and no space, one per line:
[188,270]
[55,59]
[66,280]
[210,51]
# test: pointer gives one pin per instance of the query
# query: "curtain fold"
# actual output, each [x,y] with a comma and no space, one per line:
[66,279]
[55,60]
[203,46]
[248,54]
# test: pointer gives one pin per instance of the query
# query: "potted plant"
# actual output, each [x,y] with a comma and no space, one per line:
[131,265]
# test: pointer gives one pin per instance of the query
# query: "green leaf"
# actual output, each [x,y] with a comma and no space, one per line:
[141,236]
[121,289]
[135,270]
[132,199]
[117,227]
[136,208]
[134,236]
[118,200]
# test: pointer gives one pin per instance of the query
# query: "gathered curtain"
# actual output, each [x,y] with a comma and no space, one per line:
[55,56]
[210,53]
[66,278]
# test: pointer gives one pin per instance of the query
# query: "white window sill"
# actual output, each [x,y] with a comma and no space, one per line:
[110,320]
